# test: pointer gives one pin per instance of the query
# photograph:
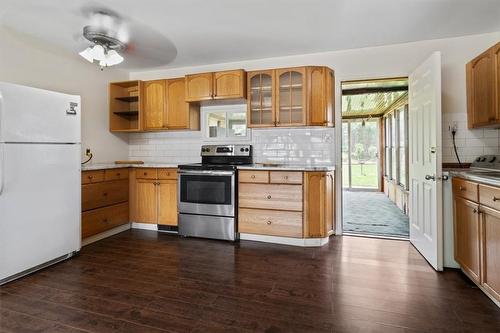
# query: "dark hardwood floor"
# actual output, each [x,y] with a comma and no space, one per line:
[141,281]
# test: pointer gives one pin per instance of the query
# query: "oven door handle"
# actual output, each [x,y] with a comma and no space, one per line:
[206,172]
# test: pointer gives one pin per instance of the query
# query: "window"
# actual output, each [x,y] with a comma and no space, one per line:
[403,146]
[387,147]
[396,146]
[223,122]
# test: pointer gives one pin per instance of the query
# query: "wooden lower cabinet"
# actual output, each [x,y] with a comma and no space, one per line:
[167,202]
[99,220]
[105,200]
[156,198]
[477,235]
[147,206]
[490,235]
[319,202]
[270,222]
[286,203]
[467,244]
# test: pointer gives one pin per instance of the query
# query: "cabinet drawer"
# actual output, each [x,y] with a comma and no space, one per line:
[253,177]
[102,219]
[115,174]
[270,222]
[285,177]
[167,173]
[104,194]
[146,173]
[489,196]
[94,176]
[261,196]
[465,189]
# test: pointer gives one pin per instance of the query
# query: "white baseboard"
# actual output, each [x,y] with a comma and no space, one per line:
[304,242]
[144,226]
[106,234]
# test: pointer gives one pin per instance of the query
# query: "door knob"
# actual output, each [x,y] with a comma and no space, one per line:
[429,177]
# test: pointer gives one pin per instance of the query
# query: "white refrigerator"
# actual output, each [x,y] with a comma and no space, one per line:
[39,179]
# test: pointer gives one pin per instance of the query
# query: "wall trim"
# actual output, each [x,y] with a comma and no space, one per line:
[303,242]
[105,234]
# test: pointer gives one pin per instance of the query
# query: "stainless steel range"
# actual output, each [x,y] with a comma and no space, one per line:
[207,198]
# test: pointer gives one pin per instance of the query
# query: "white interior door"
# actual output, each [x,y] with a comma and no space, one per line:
[425,160]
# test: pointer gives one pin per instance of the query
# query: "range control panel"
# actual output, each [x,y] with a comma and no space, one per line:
[226,150]
[487,162]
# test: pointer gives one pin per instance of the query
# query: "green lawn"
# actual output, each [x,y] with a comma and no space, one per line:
[362,175]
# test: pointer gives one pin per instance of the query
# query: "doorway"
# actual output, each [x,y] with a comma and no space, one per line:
[375,158]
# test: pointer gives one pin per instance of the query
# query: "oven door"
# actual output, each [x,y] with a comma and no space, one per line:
[206,192]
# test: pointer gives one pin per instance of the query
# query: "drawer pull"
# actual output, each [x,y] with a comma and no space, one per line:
[105,194]
[461,188]
[269,222]
[145,173]
[495,199]
[90,177]
[105,220]
[252,176]
[285,177]
[269,196]
[118,174]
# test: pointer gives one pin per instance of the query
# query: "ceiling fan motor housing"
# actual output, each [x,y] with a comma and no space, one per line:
[104,37]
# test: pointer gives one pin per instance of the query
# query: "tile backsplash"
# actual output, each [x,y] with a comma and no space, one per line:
[470,142]
[314,146]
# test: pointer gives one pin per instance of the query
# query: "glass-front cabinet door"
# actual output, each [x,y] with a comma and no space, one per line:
[291,96]
[261,95]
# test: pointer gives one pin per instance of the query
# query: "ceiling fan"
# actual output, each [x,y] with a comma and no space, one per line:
[111,39]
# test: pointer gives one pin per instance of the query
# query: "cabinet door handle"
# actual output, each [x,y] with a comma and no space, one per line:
[461,188]
[269,222]
[495,199]
[118,174]
[105,194]
[269,196]
[105,221]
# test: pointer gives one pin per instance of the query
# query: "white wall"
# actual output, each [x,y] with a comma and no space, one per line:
[26,61]
[388,61]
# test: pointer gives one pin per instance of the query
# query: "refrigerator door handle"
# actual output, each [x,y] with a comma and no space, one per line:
[2,158]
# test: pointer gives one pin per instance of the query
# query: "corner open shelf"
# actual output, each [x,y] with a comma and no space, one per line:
[125,106]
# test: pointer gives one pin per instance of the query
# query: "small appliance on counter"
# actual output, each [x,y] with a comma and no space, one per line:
[207,198]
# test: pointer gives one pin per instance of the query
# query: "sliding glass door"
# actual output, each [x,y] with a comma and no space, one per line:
[360,155]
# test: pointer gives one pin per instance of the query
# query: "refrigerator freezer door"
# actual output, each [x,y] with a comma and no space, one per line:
[39,205]
[35,115]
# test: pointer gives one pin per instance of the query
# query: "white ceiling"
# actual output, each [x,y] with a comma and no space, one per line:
[216,31]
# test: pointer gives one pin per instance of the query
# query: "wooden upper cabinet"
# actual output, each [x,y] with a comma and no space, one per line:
[261,99]
[199,87]
[217,85]
[180,114]
[320,96]
[291,95]
[229,84]
[483,89]
[155,104]
[467,236]
[299,96]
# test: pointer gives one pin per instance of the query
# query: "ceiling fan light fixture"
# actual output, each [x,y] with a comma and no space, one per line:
[113,58]
[87,54]
[98,52]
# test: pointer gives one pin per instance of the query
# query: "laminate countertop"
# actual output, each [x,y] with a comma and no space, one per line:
[479,176]
[101,166]
[283,167]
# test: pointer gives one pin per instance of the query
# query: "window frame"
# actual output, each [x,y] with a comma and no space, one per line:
[227,109]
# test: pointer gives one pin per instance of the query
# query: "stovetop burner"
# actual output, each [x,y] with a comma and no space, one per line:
[221,157]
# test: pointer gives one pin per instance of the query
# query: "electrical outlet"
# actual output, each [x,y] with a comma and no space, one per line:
[88,152]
